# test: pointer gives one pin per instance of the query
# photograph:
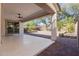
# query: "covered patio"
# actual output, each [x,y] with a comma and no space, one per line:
[20,13]
[20,43]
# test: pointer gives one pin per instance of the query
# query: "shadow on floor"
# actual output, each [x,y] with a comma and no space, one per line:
[40,35]
[57,49]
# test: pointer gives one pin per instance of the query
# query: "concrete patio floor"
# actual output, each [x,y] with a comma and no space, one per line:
[29,45]
[26,45]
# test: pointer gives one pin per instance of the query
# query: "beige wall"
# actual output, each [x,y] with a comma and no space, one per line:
[2,23]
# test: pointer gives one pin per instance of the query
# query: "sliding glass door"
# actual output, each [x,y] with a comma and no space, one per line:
[12,27]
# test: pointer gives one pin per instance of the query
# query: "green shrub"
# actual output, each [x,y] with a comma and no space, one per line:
[31,26]
[68,22]
[60,25]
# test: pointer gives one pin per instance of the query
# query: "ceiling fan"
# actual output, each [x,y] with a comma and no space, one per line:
[19,15]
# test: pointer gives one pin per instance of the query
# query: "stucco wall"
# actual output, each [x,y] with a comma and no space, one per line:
[2,22]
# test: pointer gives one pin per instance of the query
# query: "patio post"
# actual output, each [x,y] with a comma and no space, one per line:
[78,33]
[54,27]
[21,30]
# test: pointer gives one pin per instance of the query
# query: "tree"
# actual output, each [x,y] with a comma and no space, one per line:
[47,21]
[67,14]
[60,25]
[31,25]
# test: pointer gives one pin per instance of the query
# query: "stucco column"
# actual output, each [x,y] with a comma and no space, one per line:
[54,27]
[78,33]
[21,29]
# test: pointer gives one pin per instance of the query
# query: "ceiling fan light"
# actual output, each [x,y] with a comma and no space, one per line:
[19,15]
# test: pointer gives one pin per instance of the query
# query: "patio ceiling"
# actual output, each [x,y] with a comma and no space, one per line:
[29,11]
